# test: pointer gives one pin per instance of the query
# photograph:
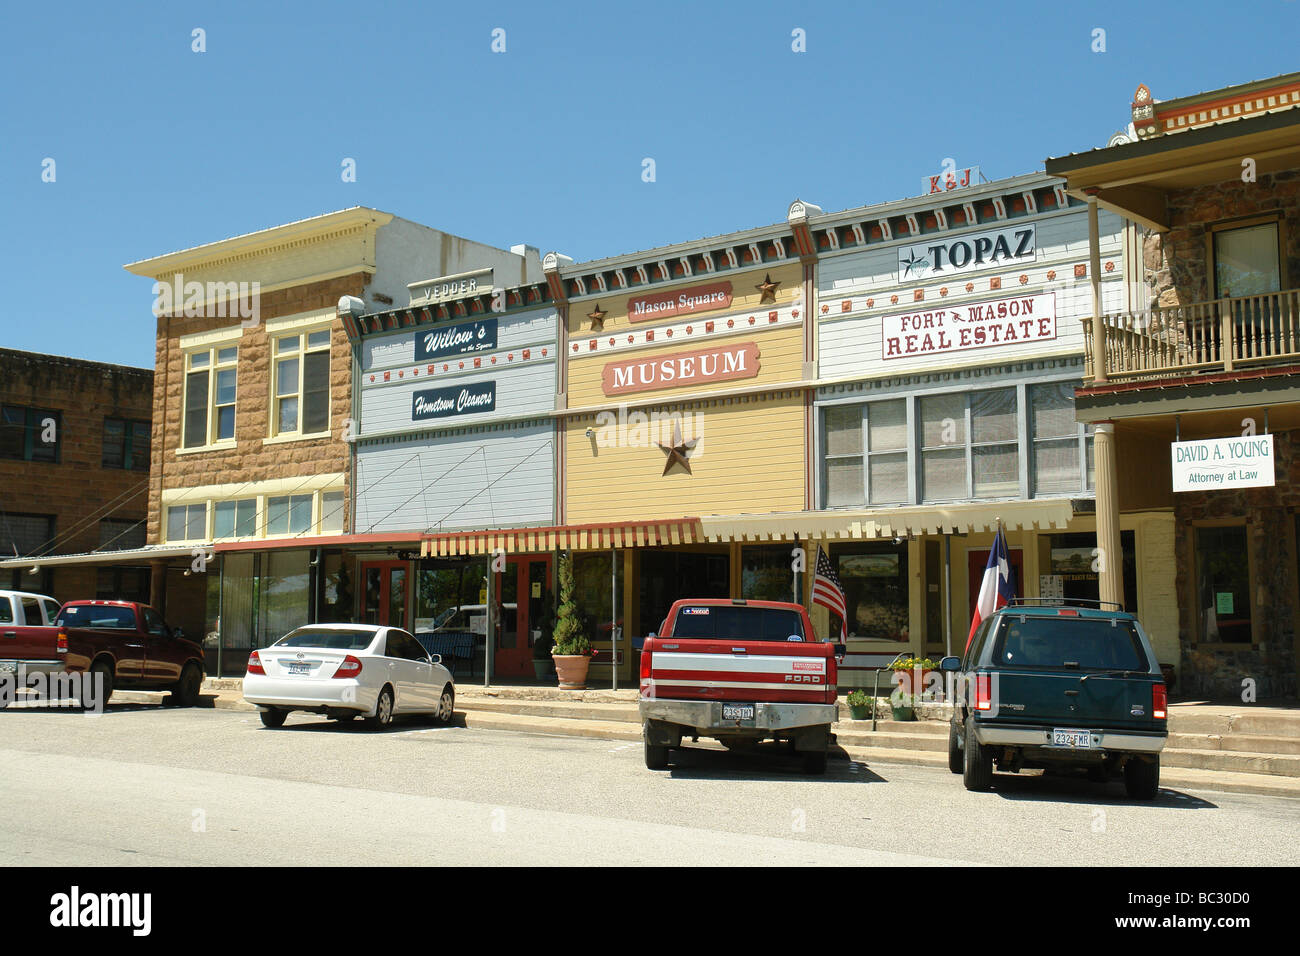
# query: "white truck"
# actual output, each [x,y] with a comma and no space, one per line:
[23,609]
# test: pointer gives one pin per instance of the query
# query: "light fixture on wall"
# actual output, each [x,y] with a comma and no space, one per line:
[34,569]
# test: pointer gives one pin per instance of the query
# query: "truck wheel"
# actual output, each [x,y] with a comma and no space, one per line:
[977,765]
[955,758]
[1142,778]
[104,680]
[186,690]
[814,762]
[273,717]
[656,758]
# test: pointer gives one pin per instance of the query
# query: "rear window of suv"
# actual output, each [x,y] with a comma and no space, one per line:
[1073,643]
[738,623]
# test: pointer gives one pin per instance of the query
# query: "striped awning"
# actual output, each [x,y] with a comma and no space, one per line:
[589,537]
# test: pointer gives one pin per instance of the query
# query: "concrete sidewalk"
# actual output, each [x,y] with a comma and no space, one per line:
[612,715]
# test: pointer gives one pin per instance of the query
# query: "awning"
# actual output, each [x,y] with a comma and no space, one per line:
[124,556]
[889,522]
[587,537]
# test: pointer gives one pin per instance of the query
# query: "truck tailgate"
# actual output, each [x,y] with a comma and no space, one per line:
[28,643]
[741,671]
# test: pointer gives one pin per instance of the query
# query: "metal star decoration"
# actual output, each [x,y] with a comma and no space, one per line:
[597,316]
[678,450]
[767,290]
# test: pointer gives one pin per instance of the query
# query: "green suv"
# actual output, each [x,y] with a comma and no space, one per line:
[1058,685]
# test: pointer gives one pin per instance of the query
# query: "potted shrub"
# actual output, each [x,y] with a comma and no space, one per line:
[572,650]
[860,704]
[910,674]
[902,706]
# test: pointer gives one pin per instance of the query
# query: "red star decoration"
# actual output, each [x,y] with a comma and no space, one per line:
[767,290]
[597,316]
[678,451]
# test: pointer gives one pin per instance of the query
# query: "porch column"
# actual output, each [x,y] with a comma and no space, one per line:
[158,586]
[1094,279]
[1111,571]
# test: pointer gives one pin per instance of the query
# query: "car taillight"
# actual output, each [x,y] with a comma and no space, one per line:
[983,696]
[255,664]
[62,642]
[350,667]
[647,658]
[1159,701]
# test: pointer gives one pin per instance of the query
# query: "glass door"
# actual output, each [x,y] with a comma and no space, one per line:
[384,594]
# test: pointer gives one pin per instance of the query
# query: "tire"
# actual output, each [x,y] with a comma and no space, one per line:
[383,716]
[956,761]
[106,686]
[446,706]
[1142,778]
[656,758]
[814,762]
[274,717]
[977,763]
[186,690]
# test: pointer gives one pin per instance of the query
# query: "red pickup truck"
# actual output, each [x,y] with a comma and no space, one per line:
[741,672]
[129,644]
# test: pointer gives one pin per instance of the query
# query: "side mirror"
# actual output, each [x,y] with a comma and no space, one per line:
[950,664]
[435,658]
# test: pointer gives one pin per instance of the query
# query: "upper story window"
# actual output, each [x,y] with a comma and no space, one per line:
[126,444]
[210,396]
[302,380]
[30,434]
[187,522]
[1247,260]
[117,534]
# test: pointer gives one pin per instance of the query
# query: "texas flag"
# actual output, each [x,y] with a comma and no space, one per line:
[997,589]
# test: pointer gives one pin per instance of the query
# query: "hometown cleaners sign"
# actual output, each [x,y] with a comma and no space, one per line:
[1023,318]
[1245,462]
[456,400]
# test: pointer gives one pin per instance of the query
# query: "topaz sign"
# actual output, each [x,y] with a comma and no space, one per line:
[1216,463]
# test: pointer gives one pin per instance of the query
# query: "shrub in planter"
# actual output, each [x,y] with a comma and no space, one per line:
[860,704]
[572,652]
[903,706]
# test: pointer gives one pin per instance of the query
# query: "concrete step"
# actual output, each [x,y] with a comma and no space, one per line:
[1241,743]
[885,740]
[1282,765]
[1269,723]
[936,728]
[574,710]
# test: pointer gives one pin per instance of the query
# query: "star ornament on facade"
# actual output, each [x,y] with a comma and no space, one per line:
[678,451]
[767,290]
[597,316]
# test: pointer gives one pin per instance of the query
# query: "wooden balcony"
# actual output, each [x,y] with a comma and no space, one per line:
[1204,337]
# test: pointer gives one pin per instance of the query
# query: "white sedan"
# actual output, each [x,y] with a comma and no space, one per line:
[348,670]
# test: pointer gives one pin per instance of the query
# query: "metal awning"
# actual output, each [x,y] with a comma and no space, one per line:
[586,537]
[125,556]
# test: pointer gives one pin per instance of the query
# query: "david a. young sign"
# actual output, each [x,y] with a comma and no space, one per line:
[941,257]
[454,400]
[1012,321]
[1214,463]
[479,336]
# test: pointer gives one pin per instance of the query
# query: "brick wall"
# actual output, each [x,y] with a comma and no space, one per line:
[250,460]
[1270,514]
[1175,266]
[77,489]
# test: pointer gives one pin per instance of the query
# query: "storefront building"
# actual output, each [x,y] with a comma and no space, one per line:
[1193,389]
[252,465]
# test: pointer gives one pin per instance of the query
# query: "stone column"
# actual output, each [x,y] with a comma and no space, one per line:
[1094,279]
[1111,569]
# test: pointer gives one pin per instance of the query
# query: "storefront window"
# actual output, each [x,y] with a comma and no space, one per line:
[592,591]
[336,589]
[448,594]
[876,590]
[669,575]
[282,591]
[1073,563]
[766,573]
[1223,584]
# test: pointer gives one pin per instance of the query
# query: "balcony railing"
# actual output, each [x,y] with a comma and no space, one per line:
[1217,336]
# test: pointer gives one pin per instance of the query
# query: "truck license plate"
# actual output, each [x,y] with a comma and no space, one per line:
[1079,739]
[737,711]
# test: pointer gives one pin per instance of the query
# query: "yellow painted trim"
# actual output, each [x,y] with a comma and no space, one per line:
[196,341]
[219,446]
[238,490]
[324,318]
[294,436]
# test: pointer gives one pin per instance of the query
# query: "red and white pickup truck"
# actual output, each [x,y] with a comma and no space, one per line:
[741,672]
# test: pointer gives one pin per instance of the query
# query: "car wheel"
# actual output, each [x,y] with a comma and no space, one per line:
[977,765]
[1142,778]
[814,762]
[656,757]
[447,705]
[274,717]
[955,759]
[104,682]
[383,716]
[187,688]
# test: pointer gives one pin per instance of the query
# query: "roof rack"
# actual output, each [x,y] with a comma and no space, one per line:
[1054,602]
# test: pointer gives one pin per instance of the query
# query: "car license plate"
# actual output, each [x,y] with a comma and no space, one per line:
[1079,739]
[8,667]
[296,668]
[737,711]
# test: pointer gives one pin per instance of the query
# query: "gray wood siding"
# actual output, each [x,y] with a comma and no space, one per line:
[473,479]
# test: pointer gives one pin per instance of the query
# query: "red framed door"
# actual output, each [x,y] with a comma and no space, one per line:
[385,587]
[521,590]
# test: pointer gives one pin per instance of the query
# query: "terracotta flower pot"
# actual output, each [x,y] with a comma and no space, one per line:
[912,682]
[572,670]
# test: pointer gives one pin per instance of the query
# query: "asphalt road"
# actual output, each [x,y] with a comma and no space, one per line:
[143,785]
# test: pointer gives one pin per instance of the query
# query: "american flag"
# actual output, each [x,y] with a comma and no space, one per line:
[828,592]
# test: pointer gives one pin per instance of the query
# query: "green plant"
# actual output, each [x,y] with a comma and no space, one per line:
[860,698]
[569,632]
[910,663]
[903,701]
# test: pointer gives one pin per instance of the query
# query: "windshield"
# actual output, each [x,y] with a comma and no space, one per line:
[335,639]
[738,623]
[1076,643]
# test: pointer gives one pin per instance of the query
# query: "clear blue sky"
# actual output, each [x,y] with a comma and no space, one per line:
[158,148]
